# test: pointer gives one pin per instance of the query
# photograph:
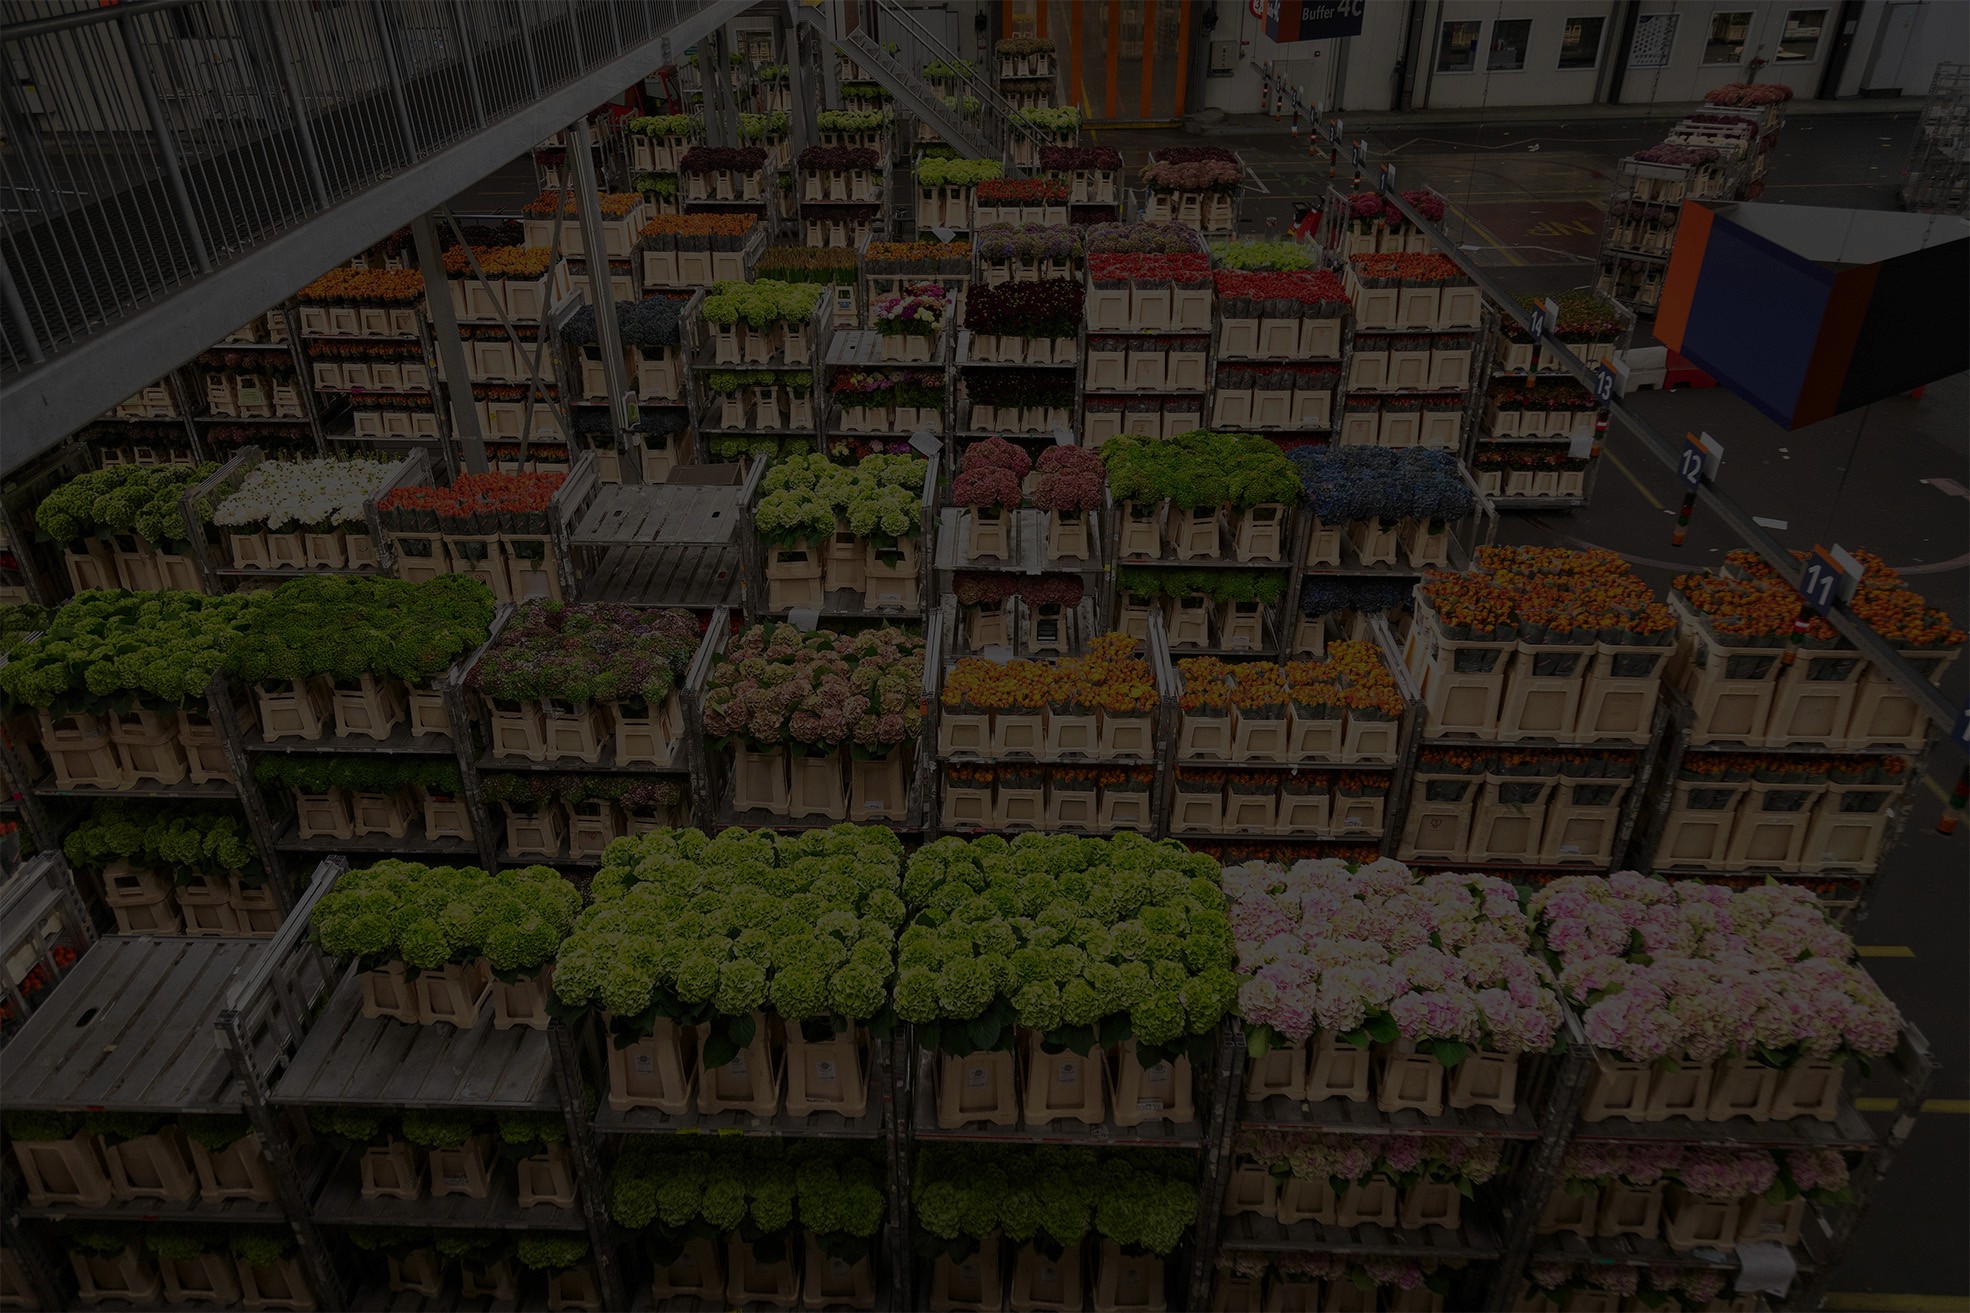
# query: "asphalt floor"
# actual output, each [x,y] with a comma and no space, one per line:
[1526,197]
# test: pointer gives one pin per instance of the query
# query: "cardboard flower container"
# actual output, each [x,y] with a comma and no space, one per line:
[453,993]
[279,1285]
[973,1284]
[695,1273]
[829,1075]
[124,1276]
[156,1166]
[208,1278]
[393,1171]
[1047,1284]
[1570,1211]
[63,1172]
[1128,1283]
[750,1082]
[1160,1091]
[239,1171]
[466,1171]
[831,1281]
[653,1071]
[1063,1085]
[753,1280]
[1406,1078]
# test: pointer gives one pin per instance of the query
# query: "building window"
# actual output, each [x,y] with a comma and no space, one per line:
[1580,42]
[1728,33]
[1458,53]
[1799,43]
[1508,38]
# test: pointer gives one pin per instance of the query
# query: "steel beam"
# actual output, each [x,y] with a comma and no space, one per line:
[600,293]
[451,351]
[43,405]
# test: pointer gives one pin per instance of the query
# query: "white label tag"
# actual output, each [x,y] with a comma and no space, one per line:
[803,618]
[737,1066]
[1149,1105]
[646,1064]
[837,1267]
[1157,1075]
[976,1077]
[1068,1073]
[457,1178]
[1049,1273]
[1579,446]
[824,1070]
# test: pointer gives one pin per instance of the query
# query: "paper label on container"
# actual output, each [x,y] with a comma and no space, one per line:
[646,1064]
[1067,1073]
[976,1077]
[824,1070]
[737,1066]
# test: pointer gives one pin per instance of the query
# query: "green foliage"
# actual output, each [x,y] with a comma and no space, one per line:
[758,127]
[830,1187]
[936,172]
[691,927]
[546,1251]
[105,1238]
[1141,1199]
[359,774]
[216,1131]
[1266,586]
[262,1246]
[1083,940]
[18,621]
[352,1126]
[519,1129]
[121,499]
[1065,119]
[588,653]
[665,125]
[1257,256]
[852,120]
[184,838]
[162,647]
[1200,469]
[117,1127]
[428,916]
[40,1127]
[348,626]
[182,1243]
[804,497]
[433,1129]
[760,304]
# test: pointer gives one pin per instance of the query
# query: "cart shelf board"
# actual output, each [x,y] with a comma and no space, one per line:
[130,1029]
[348,1058]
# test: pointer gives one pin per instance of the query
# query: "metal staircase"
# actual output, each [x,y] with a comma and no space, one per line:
[982,138]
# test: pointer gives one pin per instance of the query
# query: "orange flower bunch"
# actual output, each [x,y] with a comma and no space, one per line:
[1353,676]
[995,686]
[1259,687]
[1110,678]
[1551,593]
[971,777]
[614,204]
[1204,685]
[699,225]
[1454,761]
[500,261]
[1133,780]
[1361,783]
[366,287]
[1754,602]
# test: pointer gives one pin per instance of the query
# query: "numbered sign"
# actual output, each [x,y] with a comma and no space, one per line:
[1959,733]
[1689,462]
[1386,180]
[1360,150]
[1821,586]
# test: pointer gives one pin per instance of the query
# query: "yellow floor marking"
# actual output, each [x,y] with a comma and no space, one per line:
[1490,236]
[1957,1106]
[1629,474]
[1866,1300]
[1942,795]
[1885,950]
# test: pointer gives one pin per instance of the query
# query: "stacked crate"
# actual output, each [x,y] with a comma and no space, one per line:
[363,334]
[1540,677]
[1789,758]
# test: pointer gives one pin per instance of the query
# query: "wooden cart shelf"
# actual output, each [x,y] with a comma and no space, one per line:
[348,1058]
[130,1029]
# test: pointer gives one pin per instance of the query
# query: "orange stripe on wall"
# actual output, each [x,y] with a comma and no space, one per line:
[1114,54]
[1148,56]
[1840,329]
[1672,312]
[1040,18]
[1183,56]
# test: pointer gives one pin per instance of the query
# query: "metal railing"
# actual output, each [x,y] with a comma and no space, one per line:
[149,143]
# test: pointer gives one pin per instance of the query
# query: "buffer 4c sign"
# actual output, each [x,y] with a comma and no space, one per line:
[1309,20]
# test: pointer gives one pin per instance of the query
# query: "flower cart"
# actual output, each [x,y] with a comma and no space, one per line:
[945,189]
[886,268]
[125,527]
[1195,185]
[700,249]
[851,545]
[1093,175]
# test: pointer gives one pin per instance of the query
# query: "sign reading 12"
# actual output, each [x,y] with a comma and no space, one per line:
[1309,20]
